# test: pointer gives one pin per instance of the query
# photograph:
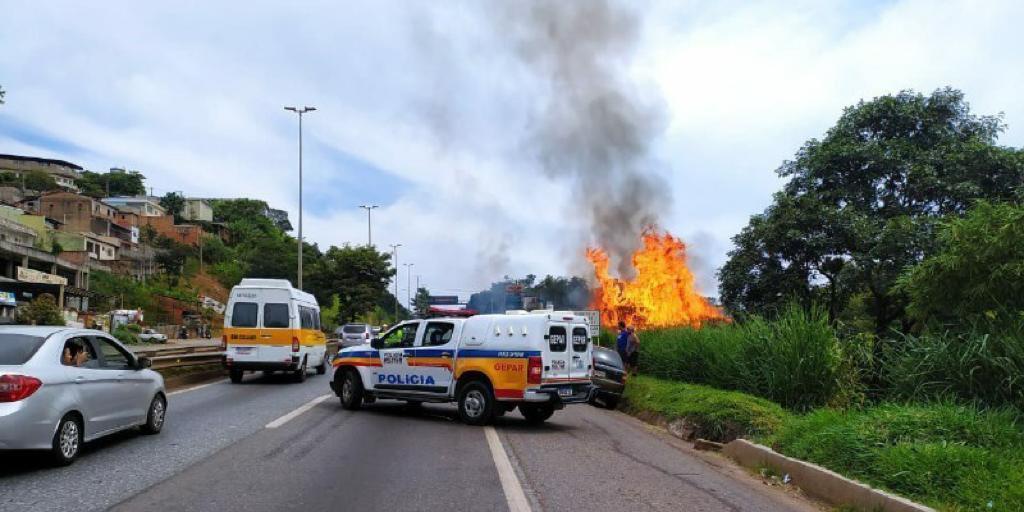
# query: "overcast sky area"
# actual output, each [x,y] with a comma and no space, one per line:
[425,109]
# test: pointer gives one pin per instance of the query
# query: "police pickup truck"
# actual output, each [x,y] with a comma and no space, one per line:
[488,364]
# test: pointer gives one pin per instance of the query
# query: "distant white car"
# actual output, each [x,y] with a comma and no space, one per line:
[152,336]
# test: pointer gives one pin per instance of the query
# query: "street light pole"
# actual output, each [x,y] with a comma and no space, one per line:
[394,258]
[300,111]
[408,284]
[369,228]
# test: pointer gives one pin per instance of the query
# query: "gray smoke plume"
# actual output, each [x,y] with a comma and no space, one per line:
[594,126]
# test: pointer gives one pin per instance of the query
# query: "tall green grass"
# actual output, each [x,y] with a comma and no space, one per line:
[983,364]
[795,360]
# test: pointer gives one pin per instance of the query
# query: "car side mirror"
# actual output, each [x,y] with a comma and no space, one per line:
[143,362]
[376,343]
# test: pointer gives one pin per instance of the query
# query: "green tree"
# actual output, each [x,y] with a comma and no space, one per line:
[422,301]
[114,183]
[41,311]
[977,272]
[39,181]
[174,204]
[359,276]
[171,256]
[863,203]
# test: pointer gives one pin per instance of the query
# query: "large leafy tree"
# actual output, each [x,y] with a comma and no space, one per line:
[863,203]
[359,276]
[977,272]
[174,204]
[128,183]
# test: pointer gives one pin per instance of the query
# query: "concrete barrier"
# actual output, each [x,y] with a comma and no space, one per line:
[819,482]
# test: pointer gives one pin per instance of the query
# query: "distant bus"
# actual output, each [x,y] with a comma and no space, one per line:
[270,326]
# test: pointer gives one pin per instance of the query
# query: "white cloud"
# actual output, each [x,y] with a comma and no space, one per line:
[191,94]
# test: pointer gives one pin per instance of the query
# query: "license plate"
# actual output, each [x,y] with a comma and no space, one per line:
[565,391]
[243,350]
[600,374]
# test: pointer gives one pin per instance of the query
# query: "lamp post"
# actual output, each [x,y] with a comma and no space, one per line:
[300,111]
[408,285]
[394,258]
[369,226]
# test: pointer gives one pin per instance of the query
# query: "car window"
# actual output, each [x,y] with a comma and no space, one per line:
[18,348]
[437,333]
[114,357]
[354,328]
[275,315]
[556,338]
[80,352]
[579,339]
[402,336]
[244,314]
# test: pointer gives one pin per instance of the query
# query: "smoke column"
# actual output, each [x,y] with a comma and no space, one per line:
[594,126]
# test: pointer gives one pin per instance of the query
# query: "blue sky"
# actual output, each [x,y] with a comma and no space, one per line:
[422,111]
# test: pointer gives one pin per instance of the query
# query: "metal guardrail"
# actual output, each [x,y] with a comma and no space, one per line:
[177,357]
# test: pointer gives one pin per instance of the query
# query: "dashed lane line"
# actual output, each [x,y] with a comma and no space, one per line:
[297,412]
[193,388]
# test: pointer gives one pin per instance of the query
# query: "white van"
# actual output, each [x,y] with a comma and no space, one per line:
[271,326]
[489,364]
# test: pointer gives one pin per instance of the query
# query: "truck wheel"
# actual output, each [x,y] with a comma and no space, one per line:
[476,403]
[67,441]
[351,390]
[322,368]
[236,375]
[536,413]
[300,374]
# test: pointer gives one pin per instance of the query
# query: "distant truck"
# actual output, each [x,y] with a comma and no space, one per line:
[488,364]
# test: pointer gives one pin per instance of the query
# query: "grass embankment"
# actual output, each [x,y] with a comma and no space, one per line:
[952,457]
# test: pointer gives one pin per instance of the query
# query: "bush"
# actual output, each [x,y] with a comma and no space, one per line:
[717,415]
[41,311]
[127,335]
[971,366]
[954,457]
[795,360]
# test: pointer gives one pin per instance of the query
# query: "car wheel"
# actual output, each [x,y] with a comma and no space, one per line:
[536,413]
[322,368]
[610,402]
[236,375]
[156,415]
[476,403]
[67,441]
[300,374]
[351,390]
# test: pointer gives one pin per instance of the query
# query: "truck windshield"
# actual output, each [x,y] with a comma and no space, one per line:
[17,349]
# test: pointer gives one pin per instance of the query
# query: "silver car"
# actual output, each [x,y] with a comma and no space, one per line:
[61,387]
[353,335]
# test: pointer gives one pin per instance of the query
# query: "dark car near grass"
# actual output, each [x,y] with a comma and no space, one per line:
[609,378]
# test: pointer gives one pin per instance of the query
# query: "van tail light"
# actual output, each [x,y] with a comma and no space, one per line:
[17,387]
[295,344]
[533,370]
[366,335]
[224,342]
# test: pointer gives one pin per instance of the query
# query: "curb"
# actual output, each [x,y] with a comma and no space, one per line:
[819,482]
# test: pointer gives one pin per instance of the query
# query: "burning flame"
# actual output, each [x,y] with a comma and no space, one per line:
[661,295]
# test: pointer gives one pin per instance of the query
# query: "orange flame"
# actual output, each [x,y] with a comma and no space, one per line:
[662,294]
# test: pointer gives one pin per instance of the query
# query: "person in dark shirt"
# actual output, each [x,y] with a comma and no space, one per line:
[632,350]
[622,341]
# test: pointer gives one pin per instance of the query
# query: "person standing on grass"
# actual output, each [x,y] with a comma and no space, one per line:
[632,350]
[622,341]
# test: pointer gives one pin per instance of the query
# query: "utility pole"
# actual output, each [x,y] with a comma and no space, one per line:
[408,284]
[369,229]
[394,259]
[300,111]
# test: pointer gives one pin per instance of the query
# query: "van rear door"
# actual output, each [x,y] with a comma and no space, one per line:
[557,367]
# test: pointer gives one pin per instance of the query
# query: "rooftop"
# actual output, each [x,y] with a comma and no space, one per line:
[38,160]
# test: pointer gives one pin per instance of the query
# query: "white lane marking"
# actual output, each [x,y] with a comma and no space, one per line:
[514,494]
[193,388]
[294,414]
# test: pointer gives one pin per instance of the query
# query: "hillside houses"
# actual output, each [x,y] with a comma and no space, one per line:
[51,241]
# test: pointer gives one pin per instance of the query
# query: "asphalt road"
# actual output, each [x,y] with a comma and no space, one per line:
[217,453]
